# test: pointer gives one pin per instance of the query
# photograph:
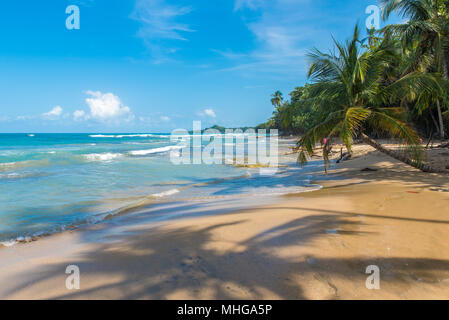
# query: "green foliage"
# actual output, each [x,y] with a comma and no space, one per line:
[349,87]
[425,42]
[394,83]
[295,116]
[277,99]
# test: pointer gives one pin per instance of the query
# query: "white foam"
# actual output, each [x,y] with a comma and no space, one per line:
[156,150]
[31,135]
[8,164]
[15,175]
[291,190]
[21,164]
[166,193]
[146,135]
[9,243]
[102,156]
[20,239]
[12,175]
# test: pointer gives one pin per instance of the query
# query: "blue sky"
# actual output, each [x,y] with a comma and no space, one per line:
[157,65]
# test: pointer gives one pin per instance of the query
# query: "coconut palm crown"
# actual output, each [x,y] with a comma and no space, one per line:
[347,86]
[426,34]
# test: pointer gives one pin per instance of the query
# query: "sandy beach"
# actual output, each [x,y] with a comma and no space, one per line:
[199,151]
[314,245]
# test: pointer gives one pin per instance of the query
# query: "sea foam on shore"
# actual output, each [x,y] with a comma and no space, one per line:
[55,182]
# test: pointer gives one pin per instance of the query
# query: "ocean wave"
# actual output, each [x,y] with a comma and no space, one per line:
[100,136]
[7,166]
[292,190]
[140,203]
[154,151]
[134,143]
[9,243]
[166,193]
[16,176]
[92,220]
[102,156]
[33,237]
[146,135]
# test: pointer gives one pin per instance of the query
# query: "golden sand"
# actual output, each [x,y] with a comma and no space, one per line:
[308,246]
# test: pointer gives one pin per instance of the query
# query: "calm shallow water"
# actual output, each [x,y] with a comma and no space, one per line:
[50,182]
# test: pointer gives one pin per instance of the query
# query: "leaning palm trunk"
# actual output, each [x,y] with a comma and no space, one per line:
[440,119]
[445,56]
[444,145]
[398,156]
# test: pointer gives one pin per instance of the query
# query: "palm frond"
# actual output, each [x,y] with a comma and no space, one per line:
[353,121]
[385,123]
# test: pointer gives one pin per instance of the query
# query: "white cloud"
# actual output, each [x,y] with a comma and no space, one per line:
[79,115]
[207,113]
[251,4]
[283,32]
[229,54]
[159,21]
[54,113]
[107,107]
[210,113]
[23,118]
[85,3]
[155,120]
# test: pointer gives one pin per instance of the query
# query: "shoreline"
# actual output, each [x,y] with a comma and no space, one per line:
[142,202]
[148,203]
[312,245]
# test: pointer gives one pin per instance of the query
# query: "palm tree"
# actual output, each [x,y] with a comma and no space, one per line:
[277,99]
[348,89]
[426,31]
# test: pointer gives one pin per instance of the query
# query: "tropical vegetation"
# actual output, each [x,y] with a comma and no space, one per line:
[393,83]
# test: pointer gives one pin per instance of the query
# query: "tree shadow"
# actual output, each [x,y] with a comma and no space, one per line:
[167,263]
[394,172]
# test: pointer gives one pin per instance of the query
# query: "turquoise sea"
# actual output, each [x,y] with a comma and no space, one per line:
[52,182]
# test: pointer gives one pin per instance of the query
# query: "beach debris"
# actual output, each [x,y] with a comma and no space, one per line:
[439,189]
[344,156]
[442,145]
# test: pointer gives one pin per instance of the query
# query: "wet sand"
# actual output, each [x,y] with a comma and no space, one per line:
[313,245]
